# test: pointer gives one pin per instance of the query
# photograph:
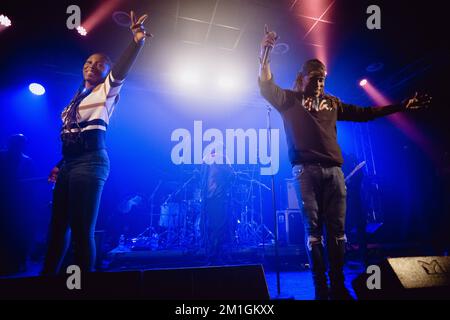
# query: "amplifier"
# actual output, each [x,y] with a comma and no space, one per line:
[290,227]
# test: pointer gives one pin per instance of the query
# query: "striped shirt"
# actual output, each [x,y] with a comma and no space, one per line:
[95,110]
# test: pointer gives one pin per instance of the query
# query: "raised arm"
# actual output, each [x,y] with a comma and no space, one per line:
[269,90]
[122,67]
[268,42]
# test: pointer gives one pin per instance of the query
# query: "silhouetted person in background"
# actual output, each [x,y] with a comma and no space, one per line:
[217,182]
[15,168]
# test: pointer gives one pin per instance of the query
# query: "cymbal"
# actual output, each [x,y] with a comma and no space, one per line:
[242,173]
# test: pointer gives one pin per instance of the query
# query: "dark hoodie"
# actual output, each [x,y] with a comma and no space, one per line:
[311,132]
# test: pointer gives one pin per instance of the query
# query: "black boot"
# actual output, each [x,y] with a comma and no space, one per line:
[318,269]
[336,256]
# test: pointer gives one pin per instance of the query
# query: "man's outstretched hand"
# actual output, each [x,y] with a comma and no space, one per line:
[417,102]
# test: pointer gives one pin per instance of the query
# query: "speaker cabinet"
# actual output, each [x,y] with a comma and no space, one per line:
[96,285]
[290,227]
[408,278]
[209,283]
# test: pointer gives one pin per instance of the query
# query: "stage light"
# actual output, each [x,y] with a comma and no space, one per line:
[226,83]
[36,88]
[374,94]
[101,13]
[401,121]
[81,30]
[5,21]
[188,77]
[314,16]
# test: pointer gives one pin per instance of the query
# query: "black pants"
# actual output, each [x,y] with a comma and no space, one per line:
[76,200]
[217,227]
[323,194]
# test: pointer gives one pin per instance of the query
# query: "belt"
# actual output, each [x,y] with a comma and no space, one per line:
[318,164]
[89,140]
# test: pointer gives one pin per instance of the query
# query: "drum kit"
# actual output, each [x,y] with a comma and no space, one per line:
[179,223]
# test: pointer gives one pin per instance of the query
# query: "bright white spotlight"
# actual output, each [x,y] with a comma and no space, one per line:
[36,89]
[5,21]
[363,82]
[81,30]
[226,83]
[188,77]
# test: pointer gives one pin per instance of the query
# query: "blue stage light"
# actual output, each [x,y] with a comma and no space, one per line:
[36,89]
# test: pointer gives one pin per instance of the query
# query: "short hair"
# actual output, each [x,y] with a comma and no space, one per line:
[107,59]
[104,56]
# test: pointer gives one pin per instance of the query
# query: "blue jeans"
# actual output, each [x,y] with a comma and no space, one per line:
[323,194]
[76,200]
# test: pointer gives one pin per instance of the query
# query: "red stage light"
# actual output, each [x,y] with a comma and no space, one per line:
[4,21]
[101,13]
[314,16]
[401,121]
[81,30]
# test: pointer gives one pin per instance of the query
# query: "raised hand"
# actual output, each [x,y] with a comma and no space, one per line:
[417,102]
[137,27]
[269,39]
[53,175]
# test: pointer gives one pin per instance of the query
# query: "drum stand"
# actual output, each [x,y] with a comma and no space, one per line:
[151,229]
[246,232]
[152,235]
[263,231]
[246,229]
[152,204]
[177,235]
[250,231]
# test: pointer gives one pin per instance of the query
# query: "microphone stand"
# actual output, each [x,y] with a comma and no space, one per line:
[275,218]
[264,61]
